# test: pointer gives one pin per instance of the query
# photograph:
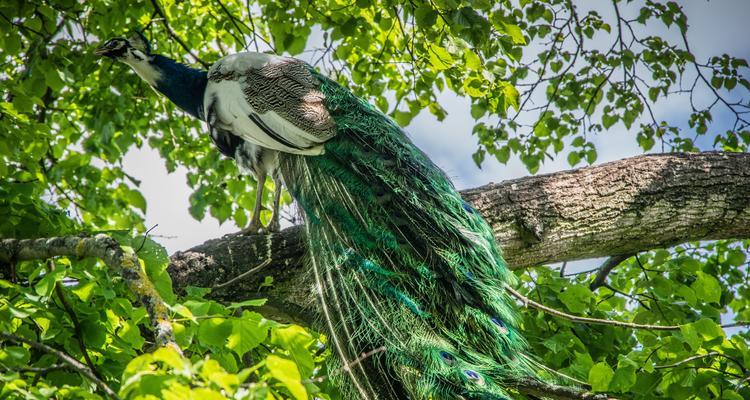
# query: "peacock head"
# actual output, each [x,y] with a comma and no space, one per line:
[132,49]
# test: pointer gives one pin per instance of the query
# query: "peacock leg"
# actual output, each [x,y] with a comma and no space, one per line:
[255,226]
[274,225]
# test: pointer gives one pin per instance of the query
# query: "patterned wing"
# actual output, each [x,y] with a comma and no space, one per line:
[271,101]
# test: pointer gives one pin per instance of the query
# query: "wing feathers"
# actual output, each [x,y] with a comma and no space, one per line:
[271,101]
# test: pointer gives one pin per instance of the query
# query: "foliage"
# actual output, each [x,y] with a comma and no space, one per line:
[230,350]
[691,286]
[67,120]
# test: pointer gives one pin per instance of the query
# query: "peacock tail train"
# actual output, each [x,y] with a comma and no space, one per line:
[402,263]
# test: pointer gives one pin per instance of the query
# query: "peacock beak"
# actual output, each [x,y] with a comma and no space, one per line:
[101,51]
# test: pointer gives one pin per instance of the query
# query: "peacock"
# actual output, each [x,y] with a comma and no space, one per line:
[405,271]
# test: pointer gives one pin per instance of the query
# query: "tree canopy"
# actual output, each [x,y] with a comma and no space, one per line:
[89,317]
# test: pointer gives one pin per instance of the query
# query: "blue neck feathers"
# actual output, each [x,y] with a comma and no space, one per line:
[183,85]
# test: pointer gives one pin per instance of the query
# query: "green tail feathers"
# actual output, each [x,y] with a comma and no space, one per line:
[403,263]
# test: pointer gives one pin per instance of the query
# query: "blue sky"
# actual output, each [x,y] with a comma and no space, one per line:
[715,28]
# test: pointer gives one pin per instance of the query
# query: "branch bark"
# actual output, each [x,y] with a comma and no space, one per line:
[617,208]
[551,391]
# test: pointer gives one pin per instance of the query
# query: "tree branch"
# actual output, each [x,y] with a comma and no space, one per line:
[125,264]
[173,34]
[551,391]
[605,269]
[621,207]
[596,321]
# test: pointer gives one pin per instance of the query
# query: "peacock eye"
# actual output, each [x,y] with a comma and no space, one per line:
[447,357]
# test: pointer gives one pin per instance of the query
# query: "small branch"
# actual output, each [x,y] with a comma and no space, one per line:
[595,321]
[76,325]
[551,391]
[72,362]
[125,264]
[174,35]
[242,275]
[38,370]
[586,320]
[558,373]
[687,360]
[145,236]
[348,366]
[605,269]
[702,356]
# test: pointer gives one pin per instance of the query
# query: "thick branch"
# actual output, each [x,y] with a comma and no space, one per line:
[125,264]
[617,208]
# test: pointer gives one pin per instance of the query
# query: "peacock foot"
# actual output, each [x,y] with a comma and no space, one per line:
[255,228]
[274,226]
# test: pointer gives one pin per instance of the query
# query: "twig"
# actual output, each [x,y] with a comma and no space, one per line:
[744,381]
[76,324]
[708,84]
[631,297]
[38,370]
[174,35]
[526,301]
[346,367]
[233,20]
[72,362]
[145,236]
[687,360]
[558,373]
[242,275]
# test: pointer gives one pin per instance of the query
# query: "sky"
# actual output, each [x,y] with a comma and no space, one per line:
[715,28]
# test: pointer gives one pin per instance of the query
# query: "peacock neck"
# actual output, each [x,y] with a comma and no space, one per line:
[183,85]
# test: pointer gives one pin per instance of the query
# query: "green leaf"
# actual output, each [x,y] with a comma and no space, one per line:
[709,329]
[576,298]
[296,340]
[707,288]
[213,332]
[472,60]
[600,376]
[14,355]
[156,260]
[440,58]
[515,33]
[46,285]
[286,372]
[474,87]
[248,331]
[84,291]
[574,158]
[54,80]
[623,379]
[478,110]
[426,16]
[736,257]
[691,336]
[510,94]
